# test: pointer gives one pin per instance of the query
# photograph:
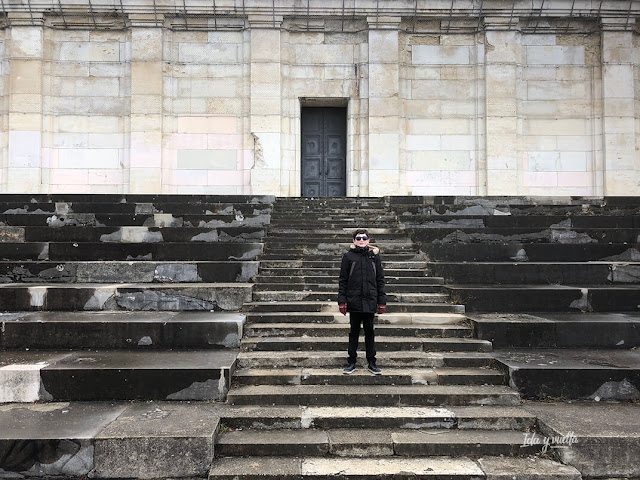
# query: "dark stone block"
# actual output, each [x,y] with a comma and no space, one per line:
[24,251]
[518,298]
[37,272]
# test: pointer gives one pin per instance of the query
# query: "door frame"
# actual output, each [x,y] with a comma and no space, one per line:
[341,102]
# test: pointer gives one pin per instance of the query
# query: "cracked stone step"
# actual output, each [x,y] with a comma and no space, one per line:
[547,298]
[290,468]
[595,273]
[143,220]
[125,296]
[335,272]
[335,257]
[335,329]
[383,343]
[35,272]
[116,375]
[487,417]
[389,376]
[310,279]
[305,295]
[376,395]
[334,263]
[92,251]
[391,287]
[121,330]
[338,358]
[332,306]
[378,443]
[131,234]
[332,316]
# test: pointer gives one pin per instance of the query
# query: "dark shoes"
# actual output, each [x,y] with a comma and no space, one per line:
[374,369]
[350,368]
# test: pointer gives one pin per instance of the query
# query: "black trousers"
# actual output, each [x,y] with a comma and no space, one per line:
[366,319]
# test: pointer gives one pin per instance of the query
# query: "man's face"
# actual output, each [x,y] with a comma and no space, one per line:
[361,240]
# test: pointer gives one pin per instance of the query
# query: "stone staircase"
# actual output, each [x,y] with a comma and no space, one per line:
[439,409]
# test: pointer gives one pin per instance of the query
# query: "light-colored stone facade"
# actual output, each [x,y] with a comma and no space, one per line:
[469,97]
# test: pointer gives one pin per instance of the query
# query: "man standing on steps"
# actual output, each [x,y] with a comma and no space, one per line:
[361,293]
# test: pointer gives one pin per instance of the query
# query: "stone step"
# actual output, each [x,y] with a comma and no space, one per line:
[336,317]
[624,220]
[456,233]
[138,197]
[121,330]
[486,417]
[37,272]
[30,376]
[159,206]
[304,242]
[269,278]
[334,263]
[337,359]
[334,272]
[332,306]
[531,252]
[124,296]
[308,295]
[128,219]
[92,251]
[135,234]
[327,256]
[335,329]
[377,395]
[592,273]
[377,443]
[547,298]
[458,468]
[383,343]
[390,376]
[395,288]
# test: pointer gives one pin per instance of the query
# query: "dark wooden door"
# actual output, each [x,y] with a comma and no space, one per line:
[324,151]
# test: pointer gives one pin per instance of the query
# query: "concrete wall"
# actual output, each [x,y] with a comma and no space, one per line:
[158,102]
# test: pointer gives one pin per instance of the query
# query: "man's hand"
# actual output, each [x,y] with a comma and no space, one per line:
[343,308]
[382,309]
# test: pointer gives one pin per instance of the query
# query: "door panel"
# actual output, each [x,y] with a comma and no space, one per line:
[323,151]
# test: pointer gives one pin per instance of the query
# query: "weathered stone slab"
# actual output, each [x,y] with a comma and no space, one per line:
[530,468]
[51,439]
[601,440]
[573,374]
[154,440]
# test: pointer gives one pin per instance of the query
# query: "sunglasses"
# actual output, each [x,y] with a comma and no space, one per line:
[361,237]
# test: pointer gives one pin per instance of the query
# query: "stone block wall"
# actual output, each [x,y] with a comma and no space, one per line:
[560,105]
[455,102]
[443,113]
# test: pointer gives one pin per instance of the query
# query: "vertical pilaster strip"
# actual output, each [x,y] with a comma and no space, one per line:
[266,106]
[145,160]
[26,58]
[384,108]
[502,55]
[621,169]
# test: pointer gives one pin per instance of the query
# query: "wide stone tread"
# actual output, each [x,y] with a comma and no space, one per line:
[486,417]
[292,468]
[391,287]
[378,443]
[337,359]
[334,273]
[270,278]
[333,316]
[361,376]
[124,296]
[334,263]
[307,295]
[378,395]
[332,329]
[383,343]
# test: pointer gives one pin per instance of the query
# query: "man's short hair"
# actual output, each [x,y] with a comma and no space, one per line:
[360,231]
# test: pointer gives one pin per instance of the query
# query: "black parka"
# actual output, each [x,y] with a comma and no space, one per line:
[361,284]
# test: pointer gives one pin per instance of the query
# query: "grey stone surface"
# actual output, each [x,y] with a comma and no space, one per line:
[361,443]
[599,439]
[528,468]
[154,440]
[51,439]
[283,442]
